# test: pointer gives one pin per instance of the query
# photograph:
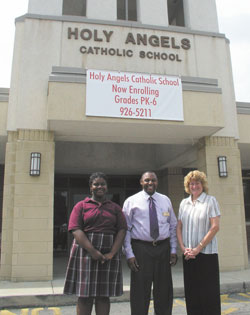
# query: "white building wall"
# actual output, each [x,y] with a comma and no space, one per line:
[217,53]
[37,48]
[201,15]
[45,7]
[45,43]
[152,14]
[101,10]
[230,112]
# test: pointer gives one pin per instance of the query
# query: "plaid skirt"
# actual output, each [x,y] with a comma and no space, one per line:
[86,277]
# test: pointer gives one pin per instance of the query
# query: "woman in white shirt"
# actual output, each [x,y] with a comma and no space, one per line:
[198,223]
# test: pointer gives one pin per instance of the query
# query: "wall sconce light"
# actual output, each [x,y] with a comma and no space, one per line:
[35,163]
[222,166]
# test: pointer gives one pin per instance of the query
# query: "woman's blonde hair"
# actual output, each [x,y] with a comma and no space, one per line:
[197,176]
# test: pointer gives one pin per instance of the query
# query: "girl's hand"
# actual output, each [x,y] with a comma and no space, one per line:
[96,255]
[108,256]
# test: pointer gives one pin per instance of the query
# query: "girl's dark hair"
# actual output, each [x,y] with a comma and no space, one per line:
[93,176]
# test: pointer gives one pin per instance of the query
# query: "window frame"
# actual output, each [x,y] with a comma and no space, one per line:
[126,5]
[176,13]
[68,2]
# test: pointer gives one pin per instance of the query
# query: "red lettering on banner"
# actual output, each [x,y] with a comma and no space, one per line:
[126,100]
[95,76]
[136,112]
[118,89]
[169,82]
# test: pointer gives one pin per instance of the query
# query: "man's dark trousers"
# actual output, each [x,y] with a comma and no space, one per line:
[154,269]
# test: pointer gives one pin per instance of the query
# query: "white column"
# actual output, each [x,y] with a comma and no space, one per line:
[149,12]
[102,10]
[201,15]
[45,7]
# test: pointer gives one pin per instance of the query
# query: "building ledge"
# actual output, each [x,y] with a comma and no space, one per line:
[4,94]
[243,108]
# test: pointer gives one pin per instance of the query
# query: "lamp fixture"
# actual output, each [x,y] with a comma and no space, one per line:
[222,166]
[35,163]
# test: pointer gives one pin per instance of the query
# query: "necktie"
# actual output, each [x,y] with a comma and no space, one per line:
[153,221]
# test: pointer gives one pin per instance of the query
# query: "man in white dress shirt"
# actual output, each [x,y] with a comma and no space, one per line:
[150,257]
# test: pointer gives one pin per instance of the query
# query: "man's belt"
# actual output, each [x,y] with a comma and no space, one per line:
[152,243]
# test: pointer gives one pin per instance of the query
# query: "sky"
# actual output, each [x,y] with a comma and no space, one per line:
[234,22]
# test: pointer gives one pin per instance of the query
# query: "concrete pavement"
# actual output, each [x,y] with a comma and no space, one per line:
[49,293]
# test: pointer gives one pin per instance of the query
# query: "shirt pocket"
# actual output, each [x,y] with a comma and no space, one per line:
[164,217]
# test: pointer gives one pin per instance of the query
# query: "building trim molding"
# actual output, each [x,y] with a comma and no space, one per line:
[30,135]
[243,108]
[4,94]
[78,75]
[217,141]
[81,19]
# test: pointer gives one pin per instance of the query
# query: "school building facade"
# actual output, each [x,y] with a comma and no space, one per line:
[119,86]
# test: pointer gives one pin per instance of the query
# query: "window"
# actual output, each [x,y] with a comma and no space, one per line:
[176,13]
[74,7]
[127,10]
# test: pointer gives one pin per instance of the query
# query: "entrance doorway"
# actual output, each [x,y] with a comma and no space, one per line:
[69,189]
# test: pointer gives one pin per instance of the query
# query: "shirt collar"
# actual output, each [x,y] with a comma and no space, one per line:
[147,196]
[201,198]
[89,200]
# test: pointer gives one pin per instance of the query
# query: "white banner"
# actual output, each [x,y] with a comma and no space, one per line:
[133,95]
